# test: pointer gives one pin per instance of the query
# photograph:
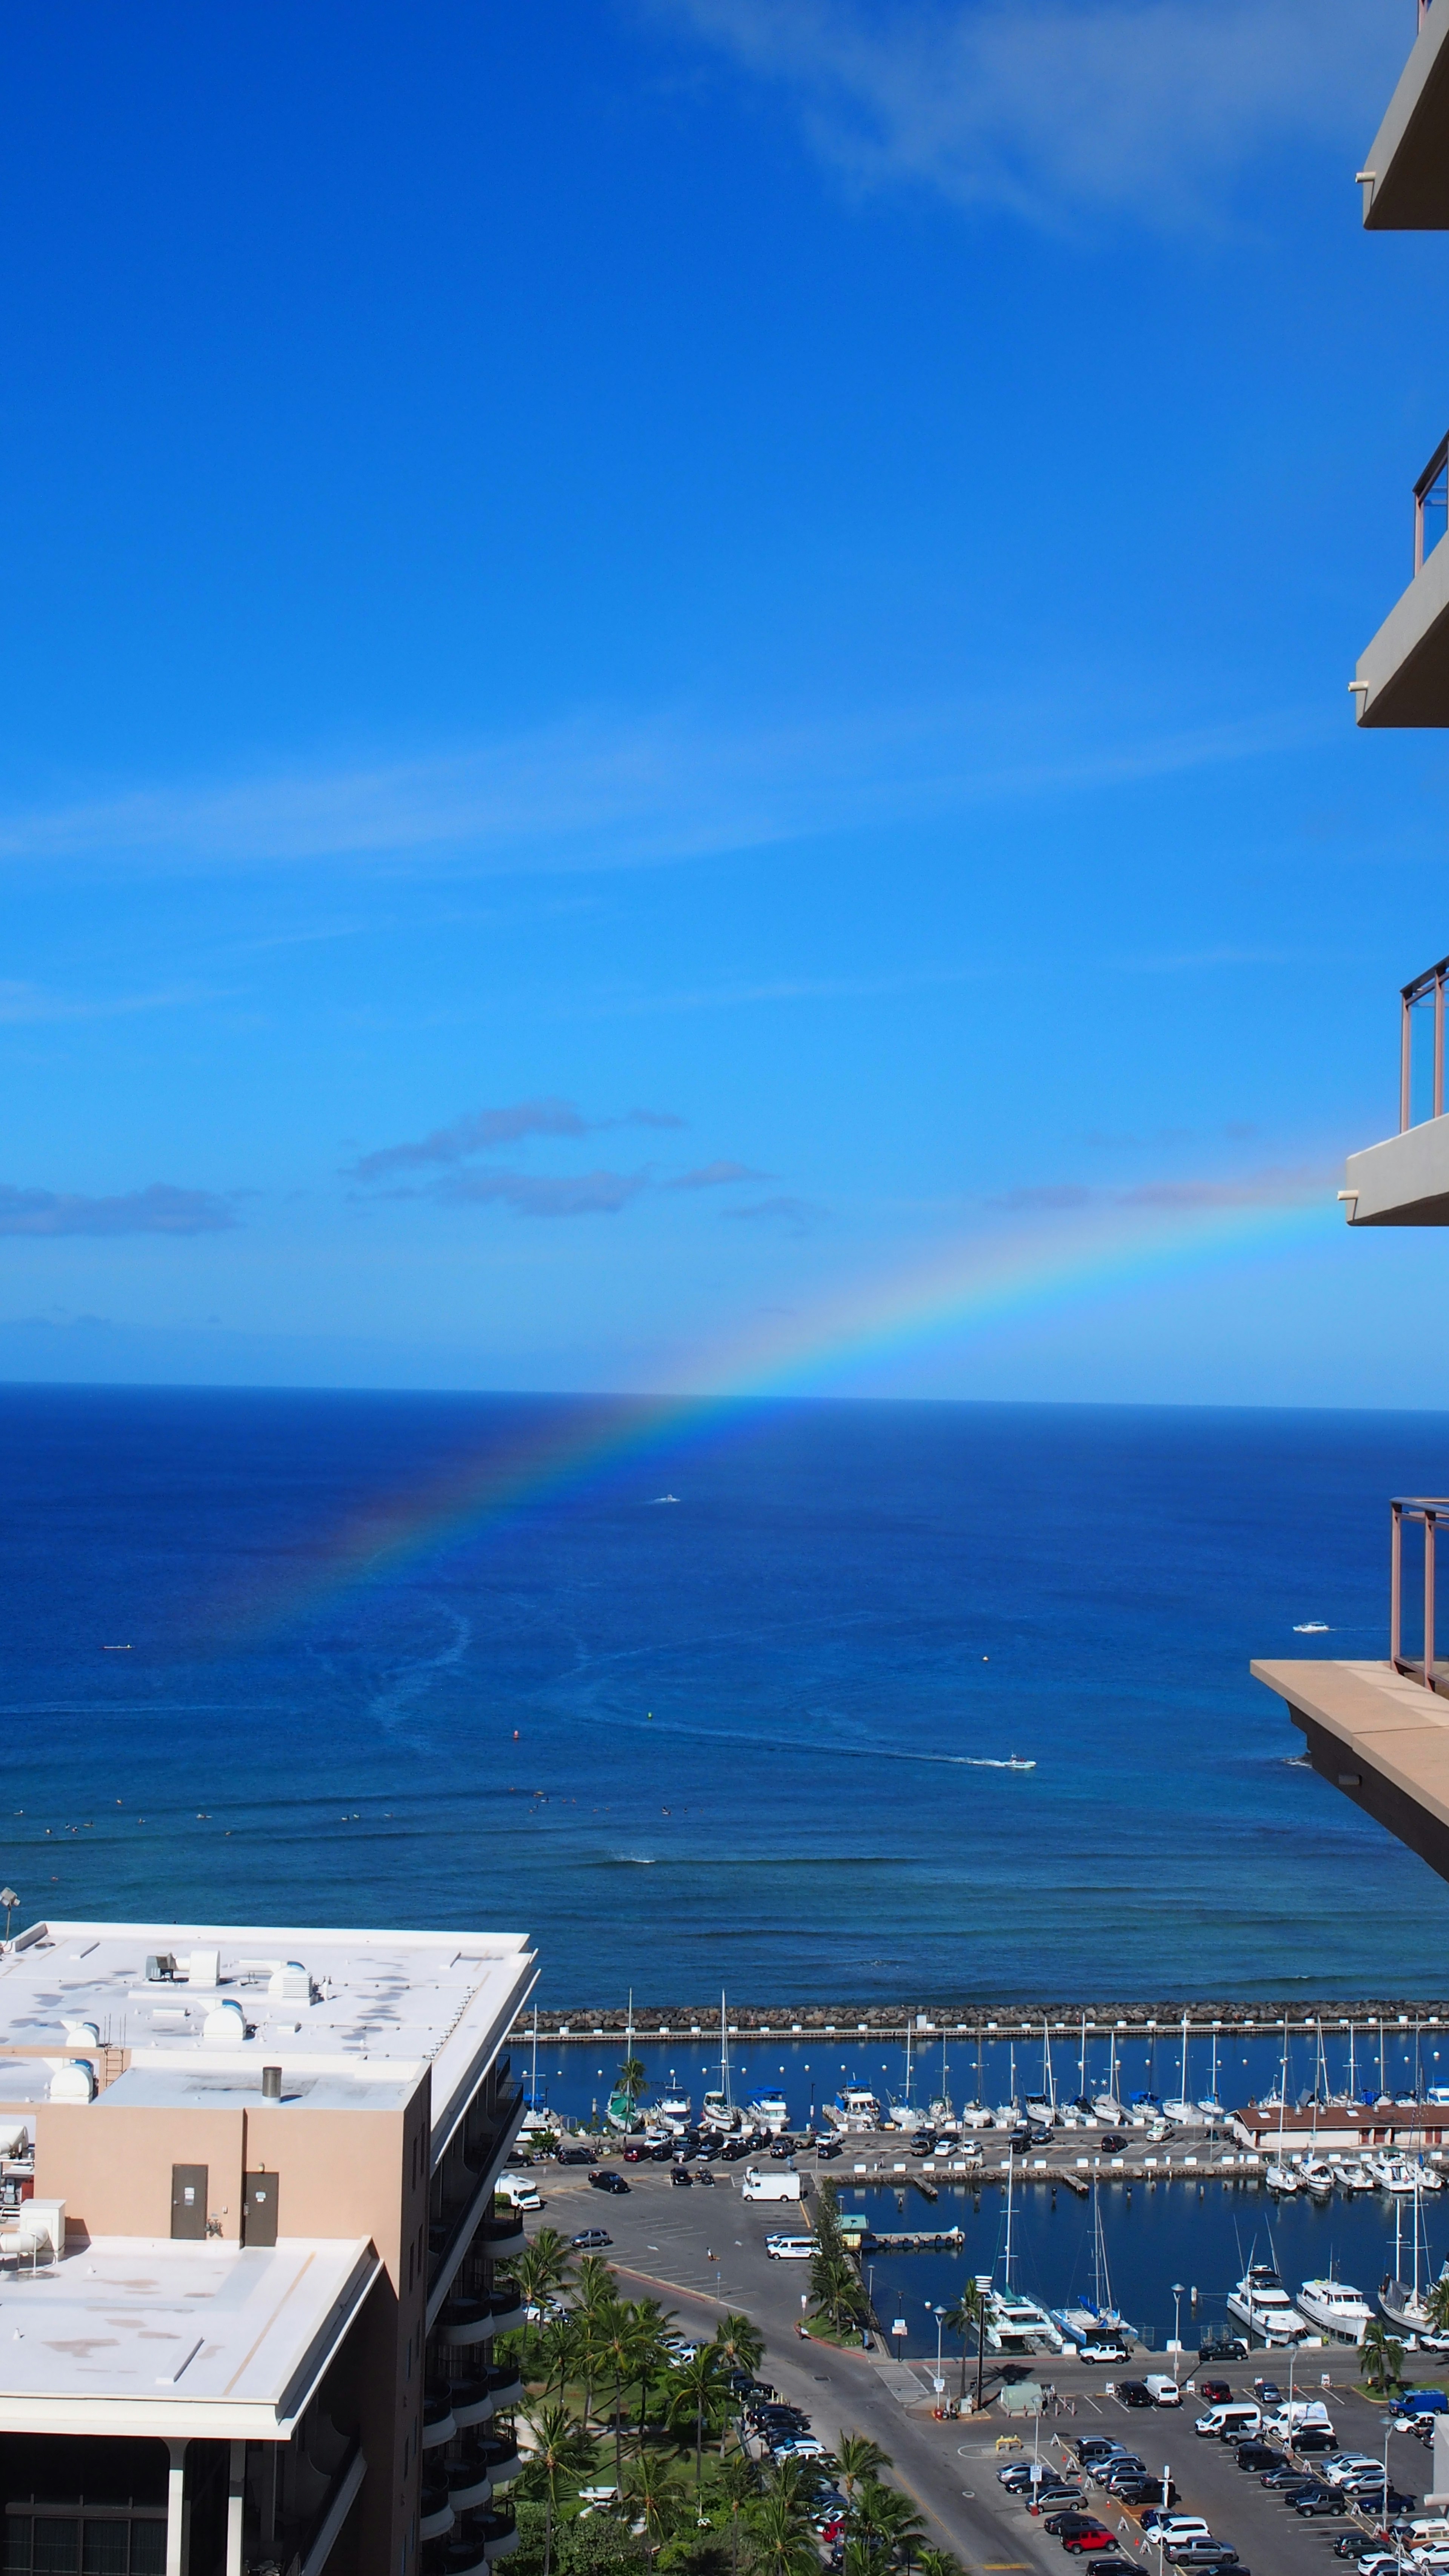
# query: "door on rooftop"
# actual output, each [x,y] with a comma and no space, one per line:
[188,2200]
[259,2209]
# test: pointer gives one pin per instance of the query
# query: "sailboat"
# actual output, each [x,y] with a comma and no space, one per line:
[1208,2103]
[1105,2106]
[1091,2322]
[719,2112]
[623,2111]
[1186,2113]
[1405,2303]
[904,2115]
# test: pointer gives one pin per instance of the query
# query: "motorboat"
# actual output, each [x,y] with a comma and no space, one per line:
[769,2111]
[1261,2303]
[719,2114]
[1336,2308]
[1354,2175]
[1397,2175]
[1317,2176]
[854,2108]
[674,2112]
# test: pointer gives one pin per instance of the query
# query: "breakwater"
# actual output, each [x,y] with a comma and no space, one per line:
[1003,2022]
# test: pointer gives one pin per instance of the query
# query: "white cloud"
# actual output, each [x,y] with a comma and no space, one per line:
[595,793]
[1042,106]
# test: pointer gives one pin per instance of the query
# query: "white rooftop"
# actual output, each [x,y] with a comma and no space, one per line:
[132,2335]
[336,2010]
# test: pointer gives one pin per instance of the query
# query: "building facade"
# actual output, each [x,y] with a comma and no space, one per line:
[1379,1730]
[250,2268]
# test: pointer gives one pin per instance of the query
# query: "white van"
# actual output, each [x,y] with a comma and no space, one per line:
[1162,2390]
[769,2186]
[1291,2418]
[790,2249]
[518,2191]
[1234,2423]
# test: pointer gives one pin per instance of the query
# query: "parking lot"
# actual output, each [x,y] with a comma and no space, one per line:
[703,2250]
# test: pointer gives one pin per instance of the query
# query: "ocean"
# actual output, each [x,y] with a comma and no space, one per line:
[715,1712]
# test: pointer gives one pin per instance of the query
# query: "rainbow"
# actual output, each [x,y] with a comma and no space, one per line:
[845,1344]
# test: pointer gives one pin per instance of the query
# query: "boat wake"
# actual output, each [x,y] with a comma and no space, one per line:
[987,1762]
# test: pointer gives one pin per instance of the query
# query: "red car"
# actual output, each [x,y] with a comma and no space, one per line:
[1214,2392]
[635,2155]
[1077,2541]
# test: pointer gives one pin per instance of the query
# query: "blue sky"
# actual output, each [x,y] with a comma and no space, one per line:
[669,660]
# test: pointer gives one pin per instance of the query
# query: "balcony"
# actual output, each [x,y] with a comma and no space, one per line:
[1406,177]
[1403,675]
[1380,1731]
[1405,1181]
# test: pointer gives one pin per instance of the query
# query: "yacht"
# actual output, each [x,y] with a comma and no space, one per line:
[674,2111]
[769,2111]
[1317,2176]
[1354,2175]
[1336,2308]
[1261,2303]
[1014,2323]
[854,2108]
[719,2114]
[1395,2174]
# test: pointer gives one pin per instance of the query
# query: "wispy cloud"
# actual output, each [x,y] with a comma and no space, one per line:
[529,1194]
[714,1176]
[483,1130]
[160,1209]
[801,1216]
[1047,107]
[601,793]
[28,1005]
[1273,1188]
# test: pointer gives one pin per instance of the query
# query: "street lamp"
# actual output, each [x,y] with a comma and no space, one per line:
[983,2284]
[1179,2293]
[940,2323]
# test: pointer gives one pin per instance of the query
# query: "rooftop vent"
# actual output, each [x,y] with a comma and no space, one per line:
[74,2081]
[225,2024]
[291,1983]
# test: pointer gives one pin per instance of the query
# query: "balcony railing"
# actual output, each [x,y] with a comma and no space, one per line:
[1431,504]
[1426,996]
[1430,1509]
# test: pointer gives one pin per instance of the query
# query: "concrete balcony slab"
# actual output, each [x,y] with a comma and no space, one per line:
[1380,1737]
[1405,1180]
[1406,175]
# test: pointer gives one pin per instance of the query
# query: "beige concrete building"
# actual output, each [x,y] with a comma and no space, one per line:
[249,2276]
[1379,1730]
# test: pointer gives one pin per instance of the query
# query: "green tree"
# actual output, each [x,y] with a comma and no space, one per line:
[881,2524]
[553,2353]
[1436,2306]
[648,2359]
[562,2454]
[734,2485]
[1383,2357]
[595,2292]
[652,2497]
[836,2288]
[741,2343]
[698,2395]
[543,2267]
[781,2542]
[964,2320]
[860,2458]
[937,2562]
[612,2336]
[633,2080]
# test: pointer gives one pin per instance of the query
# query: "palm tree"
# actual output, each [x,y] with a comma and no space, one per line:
[653,2499]
[735,2482]
[698,2391]
[1382,2357]
[595,2292]
[562,2451]
[835,2286]
[633,2080]
[1436,2306]
[543,2266]
[859,2458]
[649,2325]
[555,2348]
[611,2353]
[937,2562]
[741,2343]
[881,2519]
[781,2541]
[964,2320]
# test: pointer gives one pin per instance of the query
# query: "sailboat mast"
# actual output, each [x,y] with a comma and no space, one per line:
[1010,2176]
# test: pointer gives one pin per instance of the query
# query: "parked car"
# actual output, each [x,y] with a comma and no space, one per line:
[589,2239]
[635,2155]
[1205,2553]
[1162,2390]
[573,2155]
[1134,2392]
[607,2182]
[825,2148]
[1223,2348]
[1066,2524]
[1312,2439]
[1095,2446]
[682,2178]
[1145,2490]
[1258,2455]
[1080,2544]
[1316,2501]
[1214,2392]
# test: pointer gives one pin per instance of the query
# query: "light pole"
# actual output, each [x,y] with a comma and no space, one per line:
[983,2284]
[940,2323]
[1179,2293]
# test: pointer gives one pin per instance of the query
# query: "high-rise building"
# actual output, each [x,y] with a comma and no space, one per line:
[248,2243]
[1379,1731]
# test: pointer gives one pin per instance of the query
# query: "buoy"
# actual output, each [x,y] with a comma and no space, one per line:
[515,1735]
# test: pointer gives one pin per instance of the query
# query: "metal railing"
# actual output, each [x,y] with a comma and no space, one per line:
[1431,504]
[1430,1509]
[1426,992]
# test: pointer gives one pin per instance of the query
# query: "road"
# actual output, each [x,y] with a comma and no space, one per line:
[702,2251]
